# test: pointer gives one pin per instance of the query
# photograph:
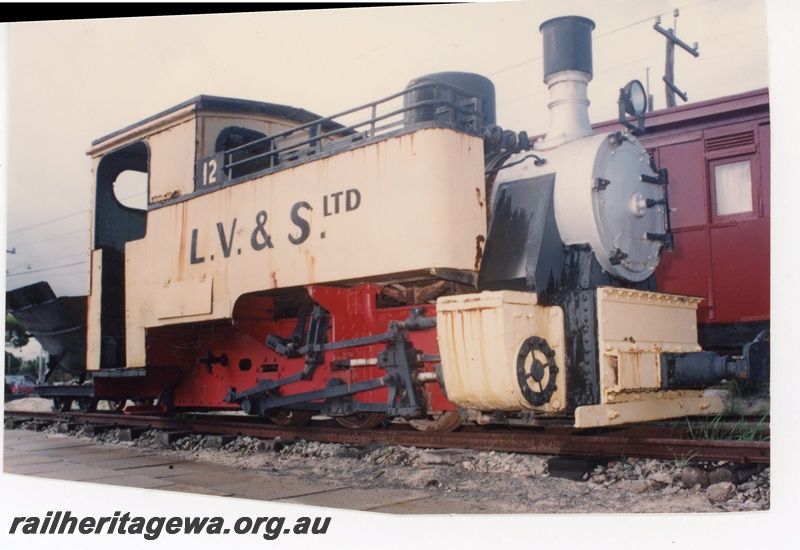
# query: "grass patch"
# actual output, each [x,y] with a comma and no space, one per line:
[684,459]
[733,407]
[738,387]
[721,428]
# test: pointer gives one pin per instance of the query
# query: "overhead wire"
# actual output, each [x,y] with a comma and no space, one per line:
[609,33]
[508,68]
[35,225]
[67,216]
[76,255]
[597,37]
[54,237]
[29,271]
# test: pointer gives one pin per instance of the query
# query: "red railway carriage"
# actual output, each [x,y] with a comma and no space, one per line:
[717,154]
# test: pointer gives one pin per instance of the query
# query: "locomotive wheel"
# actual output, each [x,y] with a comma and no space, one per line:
[285,417]
[447,421]
[361,421]
[87,404]
[62,404]
[116,405]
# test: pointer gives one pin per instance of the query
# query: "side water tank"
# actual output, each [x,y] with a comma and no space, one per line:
[476,85]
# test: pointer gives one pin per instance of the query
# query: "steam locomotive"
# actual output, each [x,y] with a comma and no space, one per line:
[406,259]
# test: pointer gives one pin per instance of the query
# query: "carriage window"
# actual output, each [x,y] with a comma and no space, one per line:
[733,188]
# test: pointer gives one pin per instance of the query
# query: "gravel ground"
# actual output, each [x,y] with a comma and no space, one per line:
[503,483]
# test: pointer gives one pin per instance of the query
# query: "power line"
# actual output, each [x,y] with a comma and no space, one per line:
[526,96]
[520,64]
[78,255]
[48,221]
[66,216]
[609,33]
[606,71]
[45,269]
[596,37]
[53,238]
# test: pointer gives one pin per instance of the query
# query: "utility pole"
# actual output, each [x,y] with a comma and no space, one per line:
[669,68]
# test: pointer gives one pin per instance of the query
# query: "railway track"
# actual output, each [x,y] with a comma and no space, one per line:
[637,441]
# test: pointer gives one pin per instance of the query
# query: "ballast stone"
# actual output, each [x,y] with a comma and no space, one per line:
[451,457]
[694,475]
[720,492]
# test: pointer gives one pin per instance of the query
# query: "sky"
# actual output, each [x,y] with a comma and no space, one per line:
[70,82]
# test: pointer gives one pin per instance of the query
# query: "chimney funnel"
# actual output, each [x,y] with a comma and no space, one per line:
[567,73]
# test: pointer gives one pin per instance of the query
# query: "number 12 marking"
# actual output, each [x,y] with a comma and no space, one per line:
[209,172]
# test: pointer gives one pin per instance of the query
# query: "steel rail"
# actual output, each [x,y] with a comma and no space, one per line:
[640,442]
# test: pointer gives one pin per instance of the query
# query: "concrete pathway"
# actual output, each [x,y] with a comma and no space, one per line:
[31,453]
